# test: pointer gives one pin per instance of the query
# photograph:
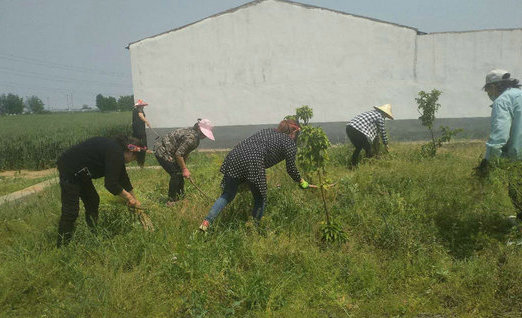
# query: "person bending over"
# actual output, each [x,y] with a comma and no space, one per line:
[363,129]
[173,150]
[247,161]
[91,159]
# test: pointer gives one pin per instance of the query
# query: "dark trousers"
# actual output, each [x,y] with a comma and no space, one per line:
[72,192]
[177,182]
[359,141]
[142,137]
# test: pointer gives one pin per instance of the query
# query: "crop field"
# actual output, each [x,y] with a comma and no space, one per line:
[35,141]
[425,238]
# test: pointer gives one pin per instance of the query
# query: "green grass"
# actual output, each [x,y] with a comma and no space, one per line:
[425,239]
[35,141]
[9,185]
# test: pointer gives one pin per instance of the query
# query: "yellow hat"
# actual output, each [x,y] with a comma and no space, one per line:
[386,109]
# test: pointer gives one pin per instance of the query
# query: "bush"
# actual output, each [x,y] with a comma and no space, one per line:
[427,107]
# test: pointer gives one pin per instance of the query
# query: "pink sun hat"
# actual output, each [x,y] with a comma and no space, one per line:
[206,128]
[140,102]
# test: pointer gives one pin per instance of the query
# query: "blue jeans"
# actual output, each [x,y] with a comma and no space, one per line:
[230,186]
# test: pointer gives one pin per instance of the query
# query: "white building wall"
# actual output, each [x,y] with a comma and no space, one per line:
[257,64]
[457,64]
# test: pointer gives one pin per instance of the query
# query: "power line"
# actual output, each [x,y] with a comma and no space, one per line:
[59,79]
[57,89]
[61,66]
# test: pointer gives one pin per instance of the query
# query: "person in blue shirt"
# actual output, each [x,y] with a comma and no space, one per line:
[505,139]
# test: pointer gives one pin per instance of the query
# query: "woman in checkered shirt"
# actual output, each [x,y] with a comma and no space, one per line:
[363,129]
[246,163]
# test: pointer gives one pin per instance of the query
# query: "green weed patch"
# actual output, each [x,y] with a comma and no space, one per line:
[424,238]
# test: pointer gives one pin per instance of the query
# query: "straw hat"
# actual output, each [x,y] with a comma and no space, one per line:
[386,110]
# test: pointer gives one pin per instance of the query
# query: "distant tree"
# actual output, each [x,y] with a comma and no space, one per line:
[126,103]
[100,102]
[35,104]
[11,104]
[86,107]
[2,104]
[106,104]
[112,103]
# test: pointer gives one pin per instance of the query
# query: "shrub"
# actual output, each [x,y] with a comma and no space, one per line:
[427,107]
[312,157]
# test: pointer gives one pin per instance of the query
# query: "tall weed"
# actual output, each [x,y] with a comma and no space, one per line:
[424,238]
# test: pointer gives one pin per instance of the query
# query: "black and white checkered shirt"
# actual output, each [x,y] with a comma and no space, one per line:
[368,122]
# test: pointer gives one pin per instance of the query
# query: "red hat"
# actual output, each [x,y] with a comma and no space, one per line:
[140,102]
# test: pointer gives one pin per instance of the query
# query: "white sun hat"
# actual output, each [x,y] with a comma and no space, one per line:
[206,128]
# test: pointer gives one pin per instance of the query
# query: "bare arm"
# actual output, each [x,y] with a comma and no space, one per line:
[142,117]
[131,199]
[184,170]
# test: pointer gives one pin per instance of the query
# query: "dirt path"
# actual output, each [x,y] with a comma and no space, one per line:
[27,191]
[39,186]
[28,174]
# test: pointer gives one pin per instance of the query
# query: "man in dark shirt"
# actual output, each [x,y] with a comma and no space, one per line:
[94,158]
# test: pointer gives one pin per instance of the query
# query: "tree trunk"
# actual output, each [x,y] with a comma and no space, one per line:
[324,198]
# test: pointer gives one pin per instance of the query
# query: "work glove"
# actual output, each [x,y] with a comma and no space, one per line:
[303,184]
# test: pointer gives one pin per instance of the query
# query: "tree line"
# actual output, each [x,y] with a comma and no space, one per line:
[14,104]
[111,104]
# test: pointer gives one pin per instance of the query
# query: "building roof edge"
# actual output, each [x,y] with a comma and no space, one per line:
[256,2]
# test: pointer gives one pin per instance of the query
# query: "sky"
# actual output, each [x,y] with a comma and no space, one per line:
[68,51]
